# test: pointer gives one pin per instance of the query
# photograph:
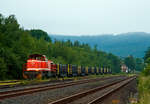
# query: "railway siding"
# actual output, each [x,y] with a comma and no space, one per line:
[87,96]
[51,95]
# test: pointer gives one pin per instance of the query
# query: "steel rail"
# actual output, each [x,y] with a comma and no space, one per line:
[105,95]
[19,92]
[85,93]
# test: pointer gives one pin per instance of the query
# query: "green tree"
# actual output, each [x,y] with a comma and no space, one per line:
[3,69]
[147,55]
[146,71]
[37,33]
[130,62]
[76,43]
[139,64]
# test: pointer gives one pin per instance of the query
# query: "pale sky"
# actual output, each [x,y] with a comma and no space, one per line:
[80,17]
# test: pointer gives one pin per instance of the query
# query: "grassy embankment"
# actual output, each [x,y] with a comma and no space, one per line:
[144,89]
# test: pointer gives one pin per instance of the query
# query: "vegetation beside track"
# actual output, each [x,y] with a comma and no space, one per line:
[144,81]
[10,83]
[144,89]
[37,81]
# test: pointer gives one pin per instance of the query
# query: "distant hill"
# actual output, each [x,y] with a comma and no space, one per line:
[134,43]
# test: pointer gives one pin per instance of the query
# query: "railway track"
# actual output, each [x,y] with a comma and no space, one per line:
[84,97]
[8,84]
[9,81]
[17,83]
[19,92]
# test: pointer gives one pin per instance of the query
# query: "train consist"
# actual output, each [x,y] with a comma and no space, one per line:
[38,66]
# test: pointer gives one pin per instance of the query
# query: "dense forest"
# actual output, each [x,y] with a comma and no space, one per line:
[16,44]
[133,43]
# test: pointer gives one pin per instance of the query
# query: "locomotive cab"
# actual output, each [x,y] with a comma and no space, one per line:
[37,66]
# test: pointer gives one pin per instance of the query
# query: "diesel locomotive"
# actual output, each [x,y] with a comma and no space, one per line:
[38,66]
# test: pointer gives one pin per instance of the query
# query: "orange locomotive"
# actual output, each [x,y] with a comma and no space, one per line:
[38,66]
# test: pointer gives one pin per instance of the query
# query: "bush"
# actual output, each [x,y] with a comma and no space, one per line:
[3,69]
[146,71]
[144,89]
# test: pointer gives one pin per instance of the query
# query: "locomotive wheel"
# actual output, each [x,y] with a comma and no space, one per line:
[39,75]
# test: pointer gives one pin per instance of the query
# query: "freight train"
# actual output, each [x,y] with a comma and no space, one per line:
[38,66]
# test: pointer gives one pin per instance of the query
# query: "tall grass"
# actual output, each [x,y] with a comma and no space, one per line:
[144,89]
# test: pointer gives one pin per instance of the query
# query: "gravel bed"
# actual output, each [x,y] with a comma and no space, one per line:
[124,94]
[89,98]
[33,85]
[48,83]
[60,80]
[51,95]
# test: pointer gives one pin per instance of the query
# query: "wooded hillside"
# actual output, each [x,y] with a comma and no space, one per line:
[16,44]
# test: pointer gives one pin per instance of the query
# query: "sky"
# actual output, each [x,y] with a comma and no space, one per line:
[80,17]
